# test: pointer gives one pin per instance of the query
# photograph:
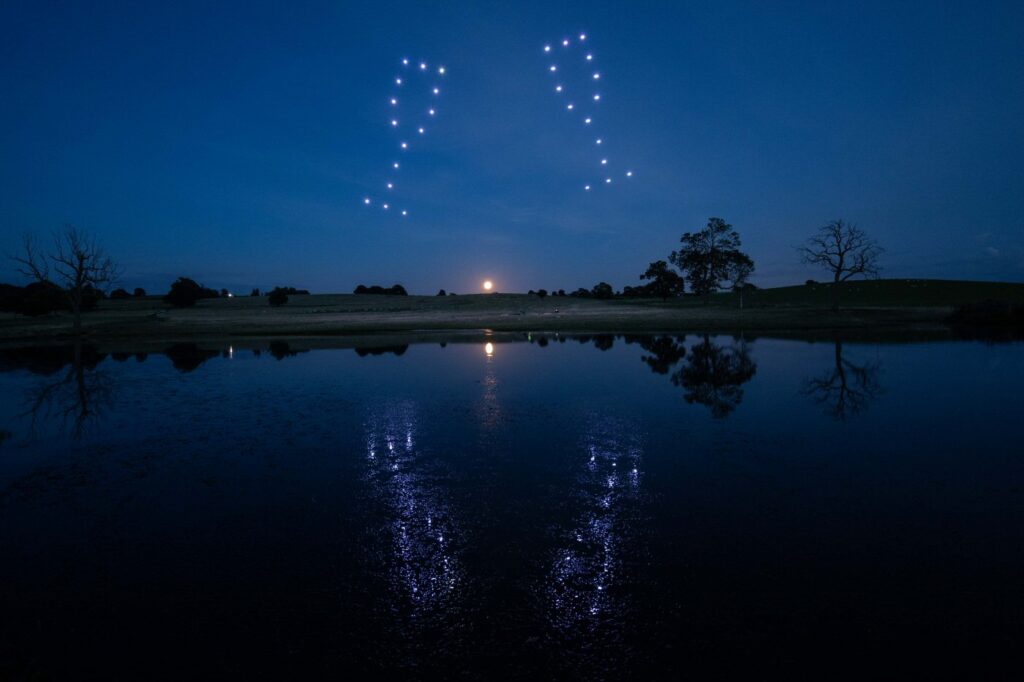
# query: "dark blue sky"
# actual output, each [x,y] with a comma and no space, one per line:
[234,144]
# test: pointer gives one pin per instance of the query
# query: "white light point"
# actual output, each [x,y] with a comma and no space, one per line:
[586,187]
[552,68]
[421,131]
[629,174]
[398,81]
[423,66]
[437,91]
[366,201]
[547,48]
[558,88]
[405,212]
[597,76]
[565,43]
[405,145]
[394,123]
[590,57]
[587,121]
[440,70]
[394,102]
[431,112]
[569,107]
[405,62]
[597,98]
[604,162]
[391,185]
[385,207]
[583,36]
[607,181]
[600,141]
[395,165]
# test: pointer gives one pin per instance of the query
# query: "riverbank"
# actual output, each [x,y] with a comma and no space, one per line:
[883,305]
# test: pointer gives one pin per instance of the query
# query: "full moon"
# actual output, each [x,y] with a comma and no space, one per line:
[488,285]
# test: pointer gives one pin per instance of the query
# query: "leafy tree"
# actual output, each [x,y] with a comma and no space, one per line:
[254,293]
[602,290]
[119,295]
[186,292]
[665,282]
[278,297]
[737,272]
[843,249]
[707,256]
[441,292]
[542,293]
[80,266]
[714,376]
[139,292]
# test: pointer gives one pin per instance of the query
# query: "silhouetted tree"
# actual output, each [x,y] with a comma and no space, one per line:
[277,297]
[843,249]
[139,292]
[602,290]
[664,351]
[737,272]
[119,295]
[79,266]
[561,292]
[542,294]
[665,281]
[846,389]
[714,376]
[186,292]
[706,256]
[441,292]
[604,342]
[188,356]
[254,293]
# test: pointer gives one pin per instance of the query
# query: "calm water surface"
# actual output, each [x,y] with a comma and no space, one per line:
[599,507]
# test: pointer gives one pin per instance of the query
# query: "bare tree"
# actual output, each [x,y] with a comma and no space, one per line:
[847,389]
[77,261]
[844,250]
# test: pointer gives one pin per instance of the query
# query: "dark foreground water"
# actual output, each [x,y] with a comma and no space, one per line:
[599,507]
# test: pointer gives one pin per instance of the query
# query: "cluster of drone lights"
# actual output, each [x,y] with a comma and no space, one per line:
[410,114]
[584,103]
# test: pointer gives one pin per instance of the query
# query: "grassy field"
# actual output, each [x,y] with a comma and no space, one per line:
[876,304]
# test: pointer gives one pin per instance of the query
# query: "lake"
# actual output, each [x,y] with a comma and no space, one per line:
[533,506]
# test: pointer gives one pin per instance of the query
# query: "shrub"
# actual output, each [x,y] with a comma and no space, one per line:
[186,292]
[395,290]
[119,295]
[441,293]
[542,293]
[139,292]
[603,290]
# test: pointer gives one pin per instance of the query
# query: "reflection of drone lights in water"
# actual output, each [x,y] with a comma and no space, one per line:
[489,348]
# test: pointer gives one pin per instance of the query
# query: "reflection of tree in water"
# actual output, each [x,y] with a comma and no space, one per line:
[714,375]
[665,351]
[584,586]
[424,567]
[75,389]
[186,357]
[847,389]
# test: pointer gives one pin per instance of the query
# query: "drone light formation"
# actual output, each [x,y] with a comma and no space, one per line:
[576,77]
[422,84]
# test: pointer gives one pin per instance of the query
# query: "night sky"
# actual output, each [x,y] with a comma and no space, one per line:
[235,144]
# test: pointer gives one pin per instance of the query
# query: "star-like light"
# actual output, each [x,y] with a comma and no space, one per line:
[385,207]
[569,107]
[608,181]
[565,43]
[597,76]
[437,91]
[547,48]
[587,120]
[405,145]
[394,102]
[395,165]
[366,201]
[552,68]
[629,174]
[440,70]
[420,131]
[394,123]
[431,112]
[398,81]
[599,141]
[586,187]
[558,88]
[404,212]
[583,36]
[405,62]
[423,66]
[590,57]
[597,98]
[391,185]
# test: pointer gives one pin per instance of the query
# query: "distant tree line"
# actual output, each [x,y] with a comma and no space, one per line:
[393,290]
